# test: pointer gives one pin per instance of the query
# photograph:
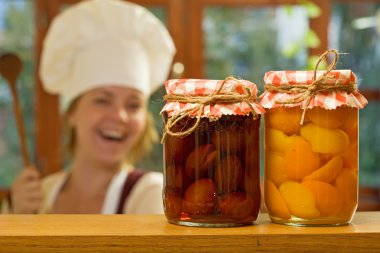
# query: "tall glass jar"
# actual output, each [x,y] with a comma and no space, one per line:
[211,153]
[311,155]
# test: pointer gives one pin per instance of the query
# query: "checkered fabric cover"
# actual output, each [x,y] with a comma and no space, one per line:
[327,100]
[201,87]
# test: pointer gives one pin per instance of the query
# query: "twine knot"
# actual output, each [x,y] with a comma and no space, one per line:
[205,100]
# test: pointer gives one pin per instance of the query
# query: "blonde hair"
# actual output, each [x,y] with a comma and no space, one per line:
[139,150]
[144,145]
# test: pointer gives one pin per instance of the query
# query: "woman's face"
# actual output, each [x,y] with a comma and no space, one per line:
[108,121]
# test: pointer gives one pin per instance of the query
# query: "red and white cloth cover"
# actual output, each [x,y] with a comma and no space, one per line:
[202,87]
[327,100]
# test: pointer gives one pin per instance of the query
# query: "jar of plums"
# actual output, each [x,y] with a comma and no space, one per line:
[311,146]
[211,152]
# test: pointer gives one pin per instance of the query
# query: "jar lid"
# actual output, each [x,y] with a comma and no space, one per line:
[219,97]
[292,77]
[334,89]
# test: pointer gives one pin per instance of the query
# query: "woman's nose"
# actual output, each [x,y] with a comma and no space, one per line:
[121,114]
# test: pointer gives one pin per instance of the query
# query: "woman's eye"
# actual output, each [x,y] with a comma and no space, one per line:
[134,106]
[102,101]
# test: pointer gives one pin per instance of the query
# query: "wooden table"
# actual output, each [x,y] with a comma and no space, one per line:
[152,233]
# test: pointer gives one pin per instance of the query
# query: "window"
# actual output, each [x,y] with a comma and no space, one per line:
[355,29]
[247,42]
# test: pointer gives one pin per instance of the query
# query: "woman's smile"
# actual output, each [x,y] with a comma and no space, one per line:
[112,135]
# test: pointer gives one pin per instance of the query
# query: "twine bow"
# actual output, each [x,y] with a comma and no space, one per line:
[218,96]
[305,92]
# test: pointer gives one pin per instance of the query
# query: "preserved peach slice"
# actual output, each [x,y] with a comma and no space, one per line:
[294,138]
[324,140]
[347,184]
[350,159]
[275,168]
[286,120]
[353,135]
[348,211]
[352,129]
[237,205]
[329,201]
[328,172]
[299,199]
[325,158]
[200,197]
[326,118]
[300,160]
[274,201]
[275,140]
[351,125]
[351,120]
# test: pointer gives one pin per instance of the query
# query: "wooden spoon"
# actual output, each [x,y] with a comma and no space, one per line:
[10,69]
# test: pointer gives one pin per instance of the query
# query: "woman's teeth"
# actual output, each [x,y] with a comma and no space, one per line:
[112,135]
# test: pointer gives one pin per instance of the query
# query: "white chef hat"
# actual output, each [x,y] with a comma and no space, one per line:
[100,42]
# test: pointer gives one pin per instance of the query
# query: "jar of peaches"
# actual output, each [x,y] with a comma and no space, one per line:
[211,152]
[311,146]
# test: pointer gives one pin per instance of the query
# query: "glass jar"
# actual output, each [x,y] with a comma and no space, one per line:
[311,155]
[211,175]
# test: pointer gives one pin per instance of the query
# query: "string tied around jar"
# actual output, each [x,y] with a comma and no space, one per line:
[306,92]
[217,97]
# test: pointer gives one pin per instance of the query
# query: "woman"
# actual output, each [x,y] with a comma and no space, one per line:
[103,58]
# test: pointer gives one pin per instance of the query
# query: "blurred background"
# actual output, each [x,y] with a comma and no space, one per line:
[214,38]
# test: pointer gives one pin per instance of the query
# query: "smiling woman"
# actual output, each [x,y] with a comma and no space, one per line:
[104,78]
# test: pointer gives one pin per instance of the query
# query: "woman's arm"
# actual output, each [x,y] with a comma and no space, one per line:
[146,196]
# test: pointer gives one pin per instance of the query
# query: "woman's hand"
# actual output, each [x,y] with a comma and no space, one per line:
[26,192]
